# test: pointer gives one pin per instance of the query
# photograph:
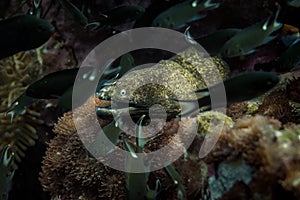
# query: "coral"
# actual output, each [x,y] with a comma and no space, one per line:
[271,150]
[20,133]
[66,125]
[193,182]
[293,89]
[261,143]
[16,73]
[277,104]
[208,120]
[68,171]
[237,110]
[282,157]
[243,140]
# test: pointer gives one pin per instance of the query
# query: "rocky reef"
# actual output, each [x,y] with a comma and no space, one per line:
[256,157]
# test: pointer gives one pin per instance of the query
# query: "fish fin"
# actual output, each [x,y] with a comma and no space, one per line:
[129,148]
[6,159]
[276,25]
[265,25]
[12,114]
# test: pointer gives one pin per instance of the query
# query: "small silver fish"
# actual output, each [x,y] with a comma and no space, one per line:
[177,16]
[20,104]
[22,33]
[213,42]
[248,39]
[239,88]
[6,172]
[78,15]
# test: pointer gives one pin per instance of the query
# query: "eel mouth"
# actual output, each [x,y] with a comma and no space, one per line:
[135,112]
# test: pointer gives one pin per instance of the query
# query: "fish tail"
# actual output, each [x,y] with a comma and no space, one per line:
[209,5]
[6,157]
[188,36]
[276,25]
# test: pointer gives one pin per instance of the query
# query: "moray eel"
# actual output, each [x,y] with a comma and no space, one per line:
[176,78]
[180,85]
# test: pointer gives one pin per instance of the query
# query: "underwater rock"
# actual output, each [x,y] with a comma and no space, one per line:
[277,104]
[258,142]
[237,110]
[228,175]
[293,89]
[265,147]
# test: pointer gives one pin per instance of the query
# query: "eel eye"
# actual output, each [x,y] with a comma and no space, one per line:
[123,92]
